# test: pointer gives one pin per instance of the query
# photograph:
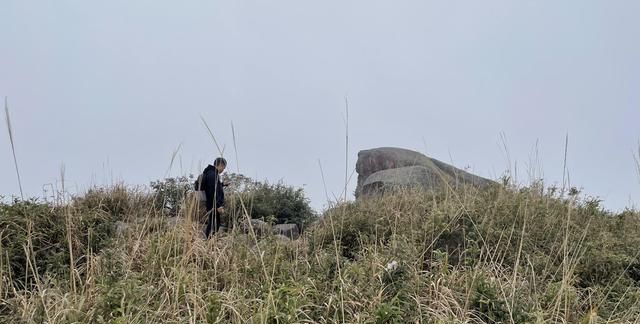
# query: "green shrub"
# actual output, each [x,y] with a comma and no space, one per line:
[33,236]
[170,193]
[274,203]
[38,239]
[485,300]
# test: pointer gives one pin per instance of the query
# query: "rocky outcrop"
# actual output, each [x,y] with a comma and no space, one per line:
[260,228]
[385,168]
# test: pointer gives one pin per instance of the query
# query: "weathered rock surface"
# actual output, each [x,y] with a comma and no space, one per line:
[259,227]
[385,168]
[289,230]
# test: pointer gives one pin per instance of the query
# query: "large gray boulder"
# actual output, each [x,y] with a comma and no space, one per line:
[389,167]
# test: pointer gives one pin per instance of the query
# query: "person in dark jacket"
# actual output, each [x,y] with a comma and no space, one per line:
[212,186]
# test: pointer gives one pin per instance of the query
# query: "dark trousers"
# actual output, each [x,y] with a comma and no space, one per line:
[213,223]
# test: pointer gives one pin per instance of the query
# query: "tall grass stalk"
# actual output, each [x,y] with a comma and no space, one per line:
[13,147]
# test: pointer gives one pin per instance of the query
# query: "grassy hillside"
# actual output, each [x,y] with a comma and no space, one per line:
[460,256]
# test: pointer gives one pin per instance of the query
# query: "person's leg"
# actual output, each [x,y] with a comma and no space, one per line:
[210,224]
[217,222]
[202,213]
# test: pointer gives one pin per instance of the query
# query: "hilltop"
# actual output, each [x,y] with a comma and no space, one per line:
[464,255]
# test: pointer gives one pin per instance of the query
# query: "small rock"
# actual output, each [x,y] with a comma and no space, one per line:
[259,227]
[392,265]
[282,238]
[290,231]
[121,227]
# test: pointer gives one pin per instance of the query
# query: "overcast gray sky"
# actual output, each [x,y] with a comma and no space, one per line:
[110,89]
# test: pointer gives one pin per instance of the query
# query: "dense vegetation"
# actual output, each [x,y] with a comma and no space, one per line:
[273,203]
[521,255]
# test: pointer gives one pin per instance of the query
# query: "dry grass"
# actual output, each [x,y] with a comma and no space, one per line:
[461,257]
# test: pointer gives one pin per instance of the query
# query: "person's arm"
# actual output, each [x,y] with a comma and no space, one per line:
[219,196]
[215,195]
[209,190]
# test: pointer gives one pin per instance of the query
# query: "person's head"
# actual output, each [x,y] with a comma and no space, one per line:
[220,164]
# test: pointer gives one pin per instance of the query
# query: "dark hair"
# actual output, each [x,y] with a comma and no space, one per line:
[220,161]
